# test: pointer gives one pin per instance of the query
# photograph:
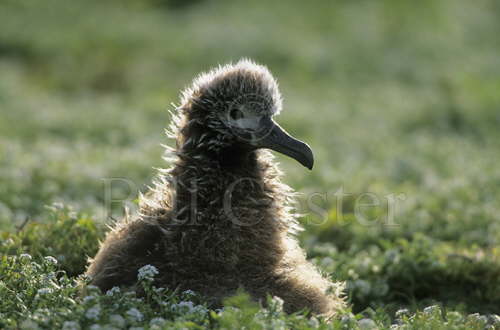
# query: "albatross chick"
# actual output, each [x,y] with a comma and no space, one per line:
[219,218]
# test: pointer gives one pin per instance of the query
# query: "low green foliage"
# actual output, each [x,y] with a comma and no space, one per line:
[421,275]
[64,234]
[416,273]
[398,99]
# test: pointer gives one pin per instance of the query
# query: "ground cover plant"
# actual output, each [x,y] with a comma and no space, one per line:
[399,101]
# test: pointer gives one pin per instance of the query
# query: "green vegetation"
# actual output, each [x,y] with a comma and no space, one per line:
[399,100]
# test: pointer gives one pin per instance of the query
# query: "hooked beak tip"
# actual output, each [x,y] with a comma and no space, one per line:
[279,140]
[309,162]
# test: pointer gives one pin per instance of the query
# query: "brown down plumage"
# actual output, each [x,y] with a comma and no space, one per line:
[219,218]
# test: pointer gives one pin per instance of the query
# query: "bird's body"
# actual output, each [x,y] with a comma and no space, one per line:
[220,219]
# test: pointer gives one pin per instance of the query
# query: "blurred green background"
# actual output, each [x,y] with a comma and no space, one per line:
[394,96]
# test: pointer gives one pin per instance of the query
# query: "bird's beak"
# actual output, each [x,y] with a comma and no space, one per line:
[276,138]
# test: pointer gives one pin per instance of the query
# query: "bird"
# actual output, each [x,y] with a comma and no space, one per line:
[220,219]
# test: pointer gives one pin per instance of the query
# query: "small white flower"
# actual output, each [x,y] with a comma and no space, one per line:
[57,206]
[363,286]
[147,272]
[41,316]
[188,304]
[135,314]
[352,274]
[494,319]
[313,322]
[51,260]
[278,303]
[93,313]
[454,316]
[347,318]
[113,291]
[29,325]
[189,293]
[431,309]
[200,309]
[159,290]
[49,276]
[157,321]
[183,305]
[44,291]
[117,320]
[478,317]
[402,312]
[367,324]
[71,325]
[92,287]
[327,261]
[25,257]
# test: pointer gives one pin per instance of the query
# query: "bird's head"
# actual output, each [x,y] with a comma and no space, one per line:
[234,105]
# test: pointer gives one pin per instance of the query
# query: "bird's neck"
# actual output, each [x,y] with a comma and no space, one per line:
[225,211]
[209,184]
[212,183]
[236,188]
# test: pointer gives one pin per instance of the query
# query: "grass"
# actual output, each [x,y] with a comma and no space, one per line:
[398,100]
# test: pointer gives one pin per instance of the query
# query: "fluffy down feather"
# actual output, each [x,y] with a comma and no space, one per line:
[219,218]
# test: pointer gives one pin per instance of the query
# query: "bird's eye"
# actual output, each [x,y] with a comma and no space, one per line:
[236,114]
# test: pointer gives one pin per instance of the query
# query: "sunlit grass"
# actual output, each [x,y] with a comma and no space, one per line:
[395,98]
